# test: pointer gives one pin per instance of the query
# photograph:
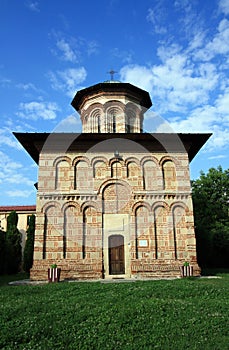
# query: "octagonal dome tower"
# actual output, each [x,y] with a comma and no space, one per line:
[112,107]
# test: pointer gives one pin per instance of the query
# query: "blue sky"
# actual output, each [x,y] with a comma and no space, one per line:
[176,50]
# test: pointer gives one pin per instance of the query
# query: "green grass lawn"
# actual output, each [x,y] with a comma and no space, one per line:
[177,314]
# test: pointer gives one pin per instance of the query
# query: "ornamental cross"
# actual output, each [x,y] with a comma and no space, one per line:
[112,72]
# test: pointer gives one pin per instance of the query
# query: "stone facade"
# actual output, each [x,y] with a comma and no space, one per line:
[114,202]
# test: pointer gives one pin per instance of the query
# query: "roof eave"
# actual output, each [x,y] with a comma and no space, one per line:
[34,143]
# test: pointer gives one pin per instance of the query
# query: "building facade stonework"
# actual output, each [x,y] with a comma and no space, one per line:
[113,202]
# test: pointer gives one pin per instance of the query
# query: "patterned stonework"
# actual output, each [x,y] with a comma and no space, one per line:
[107,206]
[84,199]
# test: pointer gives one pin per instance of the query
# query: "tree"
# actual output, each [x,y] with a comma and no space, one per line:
[29,245]
[2,251]
[210,200]
[13,244]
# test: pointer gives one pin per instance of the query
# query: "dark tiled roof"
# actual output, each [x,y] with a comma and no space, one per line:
[34,143]
[140,95]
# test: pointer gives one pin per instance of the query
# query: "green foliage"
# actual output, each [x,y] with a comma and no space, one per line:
[29,245]
[2,251]
[178,314]
[211,213]
[13,251]
[220,242]
[53,266]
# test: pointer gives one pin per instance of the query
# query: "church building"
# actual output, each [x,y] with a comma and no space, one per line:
[113,201]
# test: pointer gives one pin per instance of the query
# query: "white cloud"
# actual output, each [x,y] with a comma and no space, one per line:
[71,123]
[156,17]
[7,139]
[140,76]
[124,55]
[224,6]
[68,53]
[27,86]
[7,166]
[33,6]
[92,47]
[72,49]
[38,110]
[184,90]
[176,83]
[197,41]
[219,45]
[222,104]
[219,156]
[12,172]
[207,119]
[19,179]
[4,82]
[68,80]
[13,178]
[19,193]
[189,20]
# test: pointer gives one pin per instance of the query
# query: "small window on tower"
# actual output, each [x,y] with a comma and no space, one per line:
[114,123]
[99,125]
[128,127]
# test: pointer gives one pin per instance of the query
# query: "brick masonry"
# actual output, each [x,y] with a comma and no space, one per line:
[77,191]
[140,197]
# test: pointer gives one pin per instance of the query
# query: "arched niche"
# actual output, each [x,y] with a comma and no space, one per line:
[62,175]
[169,175]
[116,198]
[83,180]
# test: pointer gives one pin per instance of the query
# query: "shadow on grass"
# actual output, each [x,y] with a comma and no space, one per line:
[5,279]
[214,271]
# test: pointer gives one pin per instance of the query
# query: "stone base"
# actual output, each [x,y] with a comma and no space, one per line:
[163,270]
[69,270]
[92,270]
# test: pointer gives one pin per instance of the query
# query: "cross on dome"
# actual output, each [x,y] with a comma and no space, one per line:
[112,72]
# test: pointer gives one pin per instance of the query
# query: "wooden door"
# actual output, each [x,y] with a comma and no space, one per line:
[116,255]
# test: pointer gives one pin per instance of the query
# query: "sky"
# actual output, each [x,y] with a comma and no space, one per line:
[177,50]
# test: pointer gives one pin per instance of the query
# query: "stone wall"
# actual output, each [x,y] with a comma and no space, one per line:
[150,193]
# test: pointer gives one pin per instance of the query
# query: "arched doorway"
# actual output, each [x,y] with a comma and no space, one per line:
[116,255]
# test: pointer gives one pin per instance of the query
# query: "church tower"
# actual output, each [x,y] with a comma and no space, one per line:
[112,107]
[113,201]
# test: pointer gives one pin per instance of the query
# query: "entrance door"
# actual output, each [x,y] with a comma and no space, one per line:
[116,255]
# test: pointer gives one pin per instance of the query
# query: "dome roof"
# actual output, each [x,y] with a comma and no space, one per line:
[112,86]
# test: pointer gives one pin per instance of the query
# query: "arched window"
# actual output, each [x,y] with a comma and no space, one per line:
[113,116]
[95,120]
[116,170]
[114,123]
[99,124]
[130,121]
